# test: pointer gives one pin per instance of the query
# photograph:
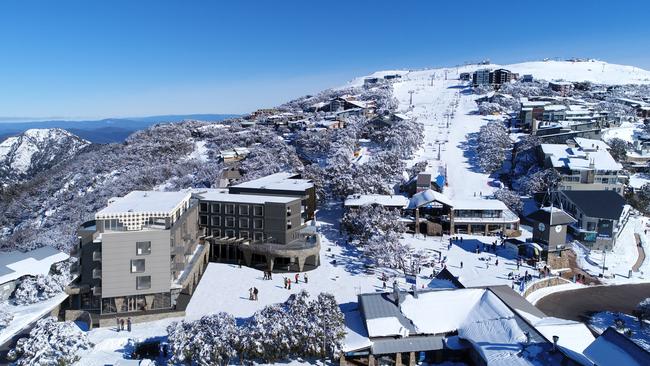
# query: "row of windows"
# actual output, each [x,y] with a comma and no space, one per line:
[229,209]
[229,221]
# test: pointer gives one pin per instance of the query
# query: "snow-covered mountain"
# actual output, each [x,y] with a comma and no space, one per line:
[35,150]
[595,71]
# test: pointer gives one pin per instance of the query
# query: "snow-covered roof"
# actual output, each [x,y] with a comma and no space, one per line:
[573,335]
[613,348]
[16,264]
[218,196]
[554,107]
[563,156]
[356,336]
[145,202]
[279,181]
[479,204]
[356,200]
[591,144]
[425,197]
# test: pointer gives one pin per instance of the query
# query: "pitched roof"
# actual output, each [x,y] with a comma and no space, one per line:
[600,204]
[612,347]
[559,217]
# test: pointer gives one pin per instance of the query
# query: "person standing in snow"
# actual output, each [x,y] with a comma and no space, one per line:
[297,277]
[128,324]
[305,277]
[497,262]
[122,324]
[461,264]
[289,283]
[255,292]
[250,293]
[384,285]
[117,321]
[285,283]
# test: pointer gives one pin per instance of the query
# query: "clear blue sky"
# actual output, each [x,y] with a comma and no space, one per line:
[139,57]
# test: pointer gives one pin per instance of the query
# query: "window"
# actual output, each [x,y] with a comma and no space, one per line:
[230,233]
[258,210]
[230,209]
[216,221]
[243,210]
[203,207]
[288,211]
[143,282]
[258,236]
[243,223]
[230,222]
[143,248]
[288,223]
[244,234]
[203,220]
[216,233]
[216,208]
[137,265]
[258,224]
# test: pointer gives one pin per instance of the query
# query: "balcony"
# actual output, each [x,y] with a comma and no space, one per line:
[97,291]
[97,273]
[97,256]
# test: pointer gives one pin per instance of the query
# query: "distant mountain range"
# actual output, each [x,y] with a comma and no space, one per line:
[103,130]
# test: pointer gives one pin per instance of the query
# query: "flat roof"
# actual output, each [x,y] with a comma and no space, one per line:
[145,202]
[279,181]
[574,158]
[218,196]
[479,204]
[16,264]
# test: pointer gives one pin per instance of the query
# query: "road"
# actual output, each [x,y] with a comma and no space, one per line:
[578,304]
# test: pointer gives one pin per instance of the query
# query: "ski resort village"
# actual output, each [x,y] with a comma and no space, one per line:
[478,214]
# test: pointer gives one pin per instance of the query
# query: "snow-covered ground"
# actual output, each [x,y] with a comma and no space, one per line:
[619,261]
[24,315]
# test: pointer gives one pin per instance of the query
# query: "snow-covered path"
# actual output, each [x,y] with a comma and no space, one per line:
[435,103]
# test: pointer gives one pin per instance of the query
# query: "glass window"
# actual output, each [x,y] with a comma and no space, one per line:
[258,210]
[203,220]
[243,210]
[143,248]
[216,233]
[230,233]
[203,207]
[230,222]
[244,234]
[243,223]
[137,265]
[258,236]
[230,209]
[216,208]
[216,220]
[258,224]
[143,282]
[288,223]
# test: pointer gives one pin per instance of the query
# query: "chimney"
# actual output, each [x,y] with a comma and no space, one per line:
[555,339]
[396,292]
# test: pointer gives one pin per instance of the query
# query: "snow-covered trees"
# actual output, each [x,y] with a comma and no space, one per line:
[618,148]
[539,181]
[510,198]
[492,142]
[212,340]
[377,231]
[643,310]
[50,343]
[301,327]
[487,108]
[39,288]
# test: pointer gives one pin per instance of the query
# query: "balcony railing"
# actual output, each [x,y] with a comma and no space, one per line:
[97,256]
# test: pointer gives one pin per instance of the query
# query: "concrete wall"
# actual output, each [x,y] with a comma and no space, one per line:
[119,248]
[275,221]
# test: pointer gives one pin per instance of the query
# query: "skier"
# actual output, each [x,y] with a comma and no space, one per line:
[285,283]
[461,264]
[128,324]
[255,292]
[497,262]
[306,279]
[250,294]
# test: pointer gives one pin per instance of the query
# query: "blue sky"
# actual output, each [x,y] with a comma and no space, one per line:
[89,59]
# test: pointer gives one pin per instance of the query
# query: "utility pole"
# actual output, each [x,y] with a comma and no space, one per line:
[411,97]
[604,258]
[432,78]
